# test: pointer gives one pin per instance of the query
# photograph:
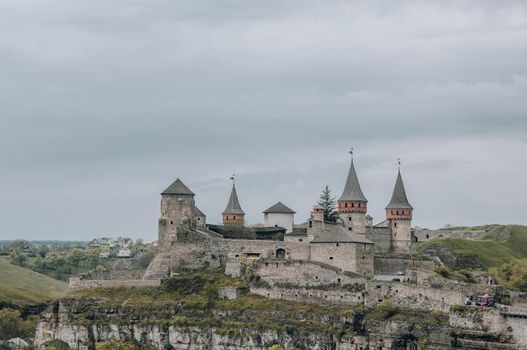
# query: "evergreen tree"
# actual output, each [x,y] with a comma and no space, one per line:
[329,204]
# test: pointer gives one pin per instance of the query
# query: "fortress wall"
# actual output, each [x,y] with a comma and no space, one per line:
[382,238]
[315,282]
[390,264]
[336,297]
[77,283]
[303,274]
[295,239]
[214,253]
[364,260]
[369,293]
[424,235]
[195,256]
[340,255]
[298,251]
[430,295]
[353,257]
[413,296]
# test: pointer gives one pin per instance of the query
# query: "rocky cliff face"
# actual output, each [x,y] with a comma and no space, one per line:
[86,321]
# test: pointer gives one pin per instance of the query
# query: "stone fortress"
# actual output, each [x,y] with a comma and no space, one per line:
[349,261]
[345,263]
[348,244]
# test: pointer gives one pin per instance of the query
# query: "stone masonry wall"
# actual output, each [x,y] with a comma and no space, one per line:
[424,235]
[364,263]
[345,256]
[77,283]
[214,253]
[391,264]
[176,218]
[382,238]
[315,282]
[278,272]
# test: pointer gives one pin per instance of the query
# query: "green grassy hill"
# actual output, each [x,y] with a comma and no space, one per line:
[20,286]
[500,244]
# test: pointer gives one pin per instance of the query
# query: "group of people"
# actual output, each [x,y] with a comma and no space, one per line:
[481,300]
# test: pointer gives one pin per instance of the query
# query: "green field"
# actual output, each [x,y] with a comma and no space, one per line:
[20,286]
[502,243]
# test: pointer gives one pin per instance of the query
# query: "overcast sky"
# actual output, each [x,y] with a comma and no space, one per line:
[104,103]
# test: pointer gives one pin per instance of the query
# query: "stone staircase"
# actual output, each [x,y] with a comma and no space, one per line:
[159,268]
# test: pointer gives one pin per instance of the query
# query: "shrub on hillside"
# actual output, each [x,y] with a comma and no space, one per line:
[383,310]
[56,345]
[12,325]
[468,276]
[120,345]
[443,271]
[184,285]
[512,274]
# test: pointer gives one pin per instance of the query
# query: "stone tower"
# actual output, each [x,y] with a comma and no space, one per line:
[352,204]
[233,213]
[399,215]
[177,211]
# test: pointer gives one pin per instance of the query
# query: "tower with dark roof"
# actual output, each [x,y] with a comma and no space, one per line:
[233,213]
[177,213]
[352,204]
[399,216]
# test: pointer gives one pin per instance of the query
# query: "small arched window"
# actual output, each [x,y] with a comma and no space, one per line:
[310,223]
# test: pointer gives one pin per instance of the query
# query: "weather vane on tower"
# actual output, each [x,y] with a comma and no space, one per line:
[351,152]
[232,178]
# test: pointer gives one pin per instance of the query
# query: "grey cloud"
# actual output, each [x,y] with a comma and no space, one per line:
[103,104]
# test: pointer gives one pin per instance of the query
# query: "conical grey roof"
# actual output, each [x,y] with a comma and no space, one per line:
[233,207]
[280,208]
[352,190]
[399,200]
[178,187]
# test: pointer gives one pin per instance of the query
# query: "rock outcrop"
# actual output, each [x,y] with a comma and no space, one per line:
[83,323]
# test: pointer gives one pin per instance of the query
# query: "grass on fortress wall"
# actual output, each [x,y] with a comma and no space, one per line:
[502,243]
[20,286]
[195,301]
[198,291]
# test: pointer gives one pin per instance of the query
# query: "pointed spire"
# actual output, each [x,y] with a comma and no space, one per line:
[352,190]
[178,187]
[233,207]
[399,200]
